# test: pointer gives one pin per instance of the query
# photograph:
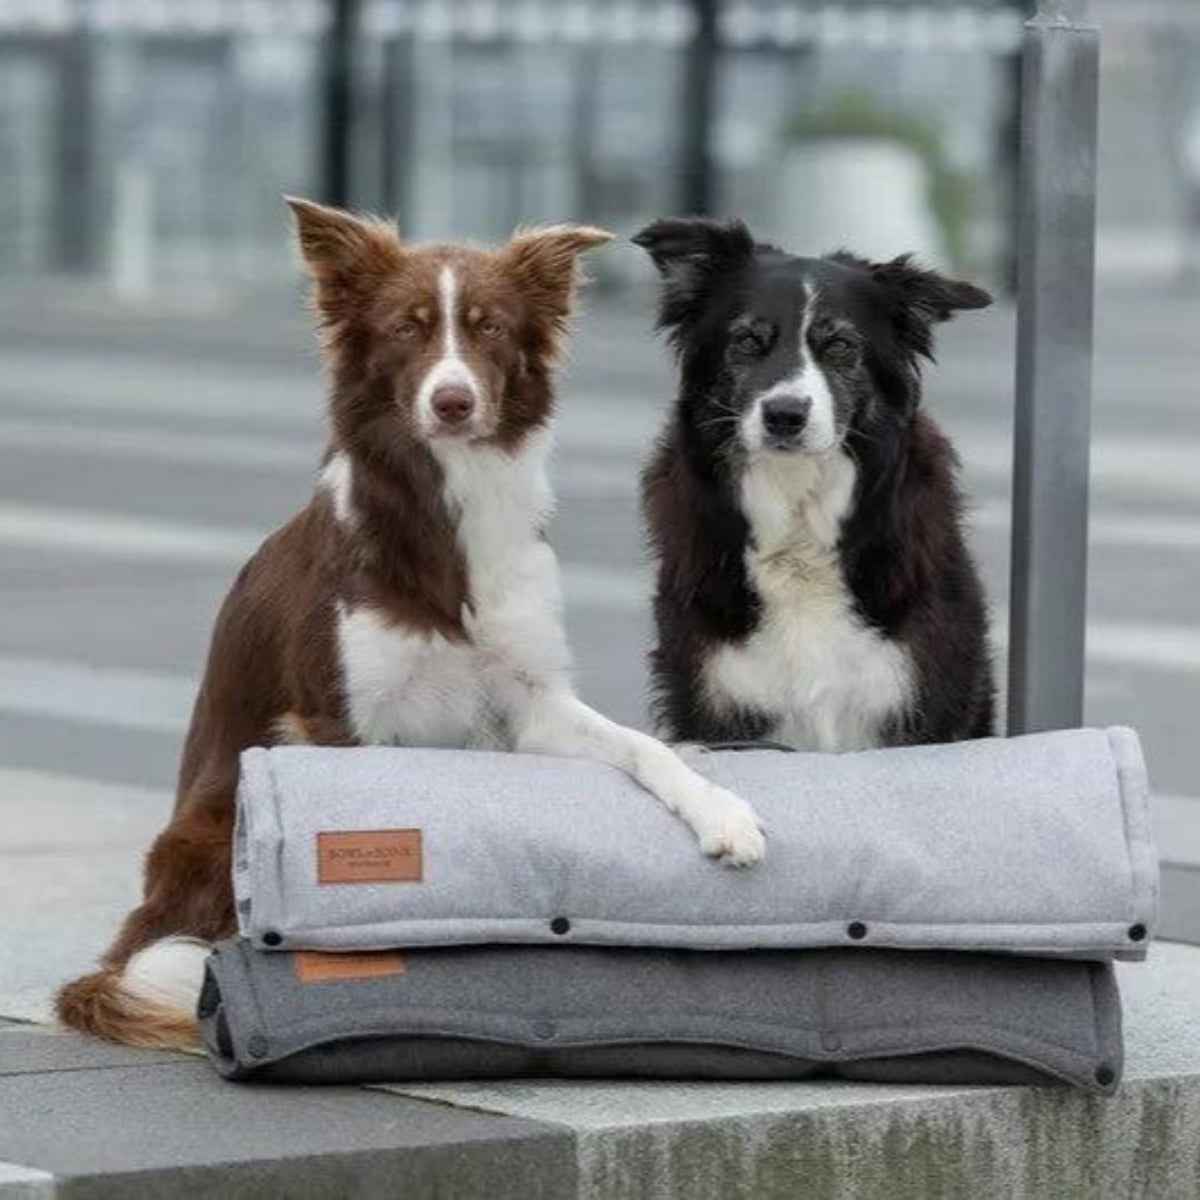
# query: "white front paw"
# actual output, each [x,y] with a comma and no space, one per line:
[728,829]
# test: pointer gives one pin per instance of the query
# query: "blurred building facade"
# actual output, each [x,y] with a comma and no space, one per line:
[144,141]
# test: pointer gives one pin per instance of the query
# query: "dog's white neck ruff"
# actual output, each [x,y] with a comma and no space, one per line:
[790,496]
[411,686]
[823,678]
[496,496]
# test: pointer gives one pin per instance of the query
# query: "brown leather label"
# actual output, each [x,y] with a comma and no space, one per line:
[313,967]
[369,856]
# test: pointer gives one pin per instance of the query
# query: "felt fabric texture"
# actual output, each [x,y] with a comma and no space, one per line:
[1032,845]
[487,1012]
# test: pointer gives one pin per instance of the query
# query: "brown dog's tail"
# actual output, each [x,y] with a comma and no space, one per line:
[150,1001]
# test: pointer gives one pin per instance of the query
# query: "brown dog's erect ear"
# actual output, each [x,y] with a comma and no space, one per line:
[334,242]
[934,296]
[544,263]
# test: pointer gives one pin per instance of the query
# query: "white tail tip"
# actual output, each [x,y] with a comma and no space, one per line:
[168,974]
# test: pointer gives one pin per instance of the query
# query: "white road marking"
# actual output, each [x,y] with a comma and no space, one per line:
[1106,527]
[79,426]
[1172,649]
[1177,829]
[147,538]
[133,386]
[146,701]
[610,589]
[124,537]
[253,451]
[1169,648]
[1136,463]
[589,480]
[33,1183]
[612,449]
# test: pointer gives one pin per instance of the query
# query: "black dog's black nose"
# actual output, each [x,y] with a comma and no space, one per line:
[785,416]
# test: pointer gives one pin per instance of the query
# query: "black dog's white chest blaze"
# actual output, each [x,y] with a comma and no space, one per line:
[814,670]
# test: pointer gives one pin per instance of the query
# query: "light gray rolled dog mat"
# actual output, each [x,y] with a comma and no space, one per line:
[487,1011]
[1032,845]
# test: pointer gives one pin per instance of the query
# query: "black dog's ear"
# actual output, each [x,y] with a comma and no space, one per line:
[923,298]
[689,252]
[934,296]
[691,242]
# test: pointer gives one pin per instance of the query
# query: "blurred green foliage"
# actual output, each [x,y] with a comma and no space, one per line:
[855,114]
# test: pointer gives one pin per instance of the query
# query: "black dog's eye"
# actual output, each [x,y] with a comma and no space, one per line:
[747,345]
[840,349]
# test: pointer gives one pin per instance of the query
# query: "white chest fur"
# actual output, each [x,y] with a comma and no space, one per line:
[411,687]
[826,680]
[407,687]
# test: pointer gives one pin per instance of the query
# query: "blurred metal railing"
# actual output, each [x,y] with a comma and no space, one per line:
[1052,429]
[924,24]
[1056,219]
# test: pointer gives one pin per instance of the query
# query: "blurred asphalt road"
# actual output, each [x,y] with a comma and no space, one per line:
[143,454]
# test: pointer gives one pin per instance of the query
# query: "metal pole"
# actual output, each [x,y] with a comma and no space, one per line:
[584,103]
[1056,272]
[337,117]
[1008,153]
[697,104]
[75,216]
[398,109]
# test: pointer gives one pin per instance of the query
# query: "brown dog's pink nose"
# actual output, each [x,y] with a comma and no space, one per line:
[453,405]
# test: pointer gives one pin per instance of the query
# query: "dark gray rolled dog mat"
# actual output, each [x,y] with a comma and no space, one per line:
[502,1011]
[1032,845]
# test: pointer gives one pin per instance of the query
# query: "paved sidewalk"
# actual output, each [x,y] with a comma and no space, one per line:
[70,868]
[84,1119]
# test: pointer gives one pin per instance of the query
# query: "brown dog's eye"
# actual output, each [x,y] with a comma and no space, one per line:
[490,329]
[407,331]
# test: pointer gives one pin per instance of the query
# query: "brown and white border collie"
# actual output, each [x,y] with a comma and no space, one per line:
[814,582]
[414,601]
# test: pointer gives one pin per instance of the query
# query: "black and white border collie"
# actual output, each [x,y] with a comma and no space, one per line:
[814,584]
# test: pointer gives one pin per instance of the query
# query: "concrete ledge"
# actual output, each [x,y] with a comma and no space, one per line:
[123,1124]
[1028,1143]
[79,1119]
[857,1141]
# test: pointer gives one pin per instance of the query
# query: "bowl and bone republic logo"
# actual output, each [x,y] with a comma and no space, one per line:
[369,856]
